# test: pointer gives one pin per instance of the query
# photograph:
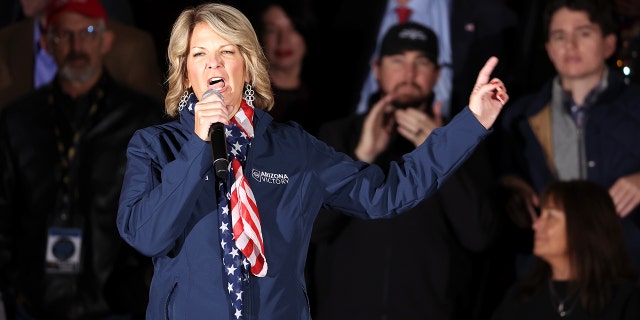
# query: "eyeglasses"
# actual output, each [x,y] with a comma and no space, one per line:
[88,34]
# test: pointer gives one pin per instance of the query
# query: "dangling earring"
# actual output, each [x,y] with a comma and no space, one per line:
[247,95]
[183,100]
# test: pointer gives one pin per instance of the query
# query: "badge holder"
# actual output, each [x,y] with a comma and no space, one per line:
[63,250]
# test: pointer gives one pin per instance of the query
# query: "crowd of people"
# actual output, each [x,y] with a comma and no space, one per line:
[414,159]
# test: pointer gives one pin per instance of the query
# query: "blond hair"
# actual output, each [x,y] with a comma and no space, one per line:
[234,27]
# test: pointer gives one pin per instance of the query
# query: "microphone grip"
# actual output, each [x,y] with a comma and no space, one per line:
[218,142]
[219,149]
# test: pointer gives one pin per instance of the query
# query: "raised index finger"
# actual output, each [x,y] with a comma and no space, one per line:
[485,72]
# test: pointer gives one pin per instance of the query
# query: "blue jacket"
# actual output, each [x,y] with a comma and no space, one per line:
[168,208]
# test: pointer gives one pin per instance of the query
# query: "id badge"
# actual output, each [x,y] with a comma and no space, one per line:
[63,250]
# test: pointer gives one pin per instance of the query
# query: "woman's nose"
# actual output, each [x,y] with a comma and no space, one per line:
[214,62]
[536,224]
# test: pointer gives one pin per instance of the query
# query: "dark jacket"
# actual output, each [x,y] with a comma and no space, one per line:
[112,273]
[379,269]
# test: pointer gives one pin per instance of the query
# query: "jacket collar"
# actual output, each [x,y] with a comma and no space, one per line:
[615,86]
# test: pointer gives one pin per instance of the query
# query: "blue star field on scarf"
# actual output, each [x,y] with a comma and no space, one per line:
[236,265]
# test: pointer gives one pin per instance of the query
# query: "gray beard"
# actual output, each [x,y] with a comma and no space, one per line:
[83,76]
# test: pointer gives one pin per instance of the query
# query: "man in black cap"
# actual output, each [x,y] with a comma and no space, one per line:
[420,264]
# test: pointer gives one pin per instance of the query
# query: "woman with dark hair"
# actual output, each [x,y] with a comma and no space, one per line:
[286,30]
[583,270]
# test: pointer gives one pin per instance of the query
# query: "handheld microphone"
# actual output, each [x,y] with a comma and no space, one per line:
[218,142]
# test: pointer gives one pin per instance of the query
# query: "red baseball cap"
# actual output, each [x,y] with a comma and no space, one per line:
[89,8]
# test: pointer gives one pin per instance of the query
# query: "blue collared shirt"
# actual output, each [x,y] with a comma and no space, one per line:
[45,66]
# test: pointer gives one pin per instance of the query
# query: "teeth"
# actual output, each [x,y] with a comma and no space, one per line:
[214,81]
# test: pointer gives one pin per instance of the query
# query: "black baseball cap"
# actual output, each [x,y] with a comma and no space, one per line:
[410,36]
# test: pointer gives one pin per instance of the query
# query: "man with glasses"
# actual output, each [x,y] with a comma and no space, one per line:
[62,157]
[25,65]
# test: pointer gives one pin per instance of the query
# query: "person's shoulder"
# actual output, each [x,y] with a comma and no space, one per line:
[524,103]
[25,109]
[172,125]
[623,94]
[290,134]
[289,129]
[154,133]
[117,26]
[123,96]
[130,42]
[17,29]
[628,288]
[14,39]
[32,99]
[127,33]
[528,104]
[509,304]
[133,93]
[351,123]
[627,89]
[627,295]
[127,92]
[628,99]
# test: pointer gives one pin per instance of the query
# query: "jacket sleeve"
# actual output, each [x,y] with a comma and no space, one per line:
[366,192]
[157,200]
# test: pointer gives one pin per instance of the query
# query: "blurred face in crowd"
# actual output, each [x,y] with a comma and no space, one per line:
[576,46]
[78,44]
[284,46]
[215,63]
[32,8]
[410,75]
[550,234]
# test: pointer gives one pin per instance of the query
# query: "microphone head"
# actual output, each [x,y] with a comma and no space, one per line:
[210,92]
[221,167]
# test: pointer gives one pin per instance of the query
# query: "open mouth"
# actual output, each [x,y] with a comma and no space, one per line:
[216,83]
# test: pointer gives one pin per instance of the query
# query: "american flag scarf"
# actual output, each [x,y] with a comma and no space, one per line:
[242,232]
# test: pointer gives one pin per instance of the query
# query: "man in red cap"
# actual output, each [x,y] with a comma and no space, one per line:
[25,65]
[77,37]
[89,8]
[62,159]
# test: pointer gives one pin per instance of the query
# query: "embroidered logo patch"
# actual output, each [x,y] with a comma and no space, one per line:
[268,177]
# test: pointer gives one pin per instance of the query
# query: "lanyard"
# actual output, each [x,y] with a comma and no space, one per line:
[67,152]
